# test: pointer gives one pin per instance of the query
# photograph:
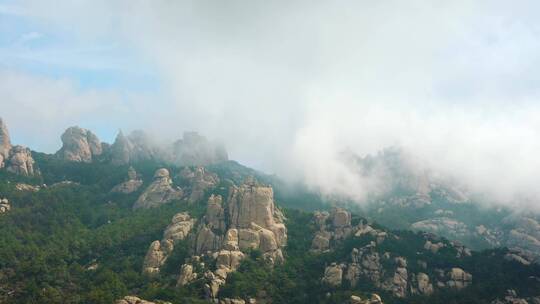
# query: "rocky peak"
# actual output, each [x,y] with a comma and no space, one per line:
[198,180]
[21,161]
[79,145]
[159,192]
[137,146]
[5,143]
[131,185]
[195,150]
[248,220]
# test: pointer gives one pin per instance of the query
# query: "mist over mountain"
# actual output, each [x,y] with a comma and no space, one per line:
[202,151]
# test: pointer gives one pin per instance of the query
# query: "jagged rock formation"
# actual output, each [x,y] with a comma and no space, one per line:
[248,220]
[16,159]
[21,161]
[336,226]
[131,185]
[387,271]
[198,180]
[159,251]
[159,192]
[195,150]
[5,143]
[137,146]
[5,206]
[374,299]
[192,150]
[79,145]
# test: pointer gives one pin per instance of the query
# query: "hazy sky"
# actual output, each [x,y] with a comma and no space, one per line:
[288,85]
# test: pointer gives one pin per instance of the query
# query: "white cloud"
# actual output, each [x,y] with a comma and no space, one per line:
[289,85]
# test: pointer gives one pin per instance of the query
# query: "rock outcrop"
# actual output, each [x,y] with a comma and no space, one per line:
[136,300]
[333,275]
[137,146]
[248,220]
[21,161]
[391,272]
[159,192]
[335,226]
[5,206]
[195,150]
[16,159]
[374,299]
[133,183]
[458,279]
[197,181]
[159,251]
[79,145]
[5,143]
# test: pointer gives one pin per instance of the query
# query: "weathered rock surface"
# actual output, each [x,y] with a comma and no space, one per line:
[374,299]
[458,279]
[195,150]
[137,146]
[248,220]
[21,161]
[159,192]
[136,300]
[198,180]
[131,185]
[5,206]
[79,145]
[336,226]
[159,251]
[333,275]
[16,159]
[389,271]
[5,143]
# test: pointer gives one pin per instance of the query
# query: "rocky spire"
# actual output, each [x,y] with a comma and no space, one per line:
[5,143]
[79,145]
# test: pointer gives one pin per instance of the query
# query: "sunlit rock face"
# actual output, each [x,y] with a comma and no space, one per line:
[248,220]
[16,159]
[5,143]
[131,185]
[79,145]
[159,251]
[21,161]
[159,192]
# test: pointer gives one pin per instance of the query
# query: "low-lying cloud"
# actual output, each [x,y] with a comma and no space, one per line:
[289,86]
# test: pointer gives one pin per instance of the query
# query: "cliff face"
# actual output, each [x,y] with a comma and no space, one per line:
[5,143]
[248,220]
[159,192]
[79,145]
[16,159]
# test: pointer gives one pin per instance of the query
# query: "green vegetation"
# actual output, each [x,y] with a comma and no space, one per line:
[78,243]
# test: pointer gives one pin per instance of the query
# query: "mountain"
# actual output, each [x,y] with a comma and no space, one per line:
[200,228]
